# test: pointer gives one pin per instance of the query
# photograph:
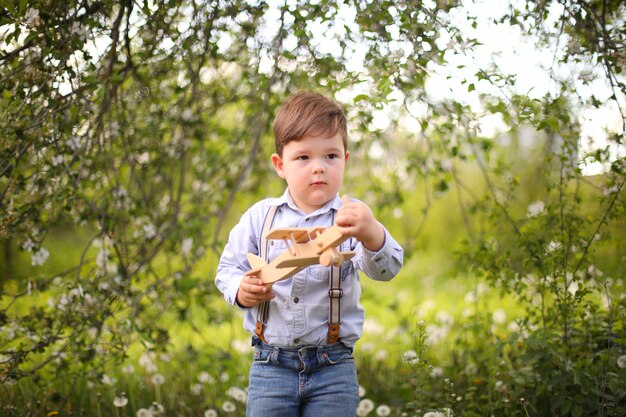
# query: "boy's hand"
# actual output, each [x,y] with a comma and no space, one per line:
[357,220]
[253,292]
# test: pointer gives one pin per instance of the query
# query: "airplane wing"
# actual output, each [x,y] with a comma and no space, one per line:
[297,234]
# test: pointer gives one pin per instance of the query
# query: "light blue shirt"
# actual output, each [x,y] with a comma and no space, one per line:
[299,312]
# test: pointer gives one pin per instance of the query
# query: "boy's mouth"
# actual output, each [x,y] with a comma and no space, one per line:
[318,183]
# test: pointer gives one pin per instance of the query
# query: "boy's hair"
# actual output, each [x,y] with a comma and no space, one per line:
[308,113]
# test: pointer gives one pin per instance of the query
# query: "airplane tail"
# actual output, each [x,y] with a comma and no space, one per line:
[257,263]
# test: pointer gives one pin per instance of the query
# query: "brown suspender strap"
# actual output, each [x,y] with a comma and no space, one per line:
[335,293]
[263,311]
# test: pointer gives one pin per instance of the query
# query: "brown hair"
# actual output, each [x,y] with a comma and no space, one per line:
[308,113]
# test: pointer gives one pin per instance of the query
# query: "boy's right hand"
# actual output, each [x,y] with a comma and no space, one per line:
[252,292]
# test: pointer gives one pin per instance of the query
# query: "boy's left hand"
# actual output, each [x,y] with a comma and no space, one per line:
[357,220]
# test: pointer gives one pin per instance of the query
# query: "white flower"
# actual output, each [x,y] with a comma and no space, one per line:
[237,394]
[128,369]
[361,391]
[186,246]
[120,401]
[145,360]
[383,411]
[205,378]
[434,414]
[40,257]
[621,361]
[28,245]
[149,231]
[158,379]
[436,372]
[196,389]
[553,246]
[228,407]
[365,407]
[536,208]
[107,380]
[444,318]
[410,357]
[187,115]
[74,143]
[57,160]
[143,158]
[382,355]
[157,408]
[32,17]
[144,412]
[210,413]
[499,316]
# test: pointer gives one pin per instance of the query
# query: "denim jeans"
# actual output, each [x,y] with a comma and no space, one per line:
[311,381]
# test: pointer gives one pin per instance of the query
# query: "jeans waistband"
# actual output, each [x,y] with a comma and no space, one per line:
[301,358]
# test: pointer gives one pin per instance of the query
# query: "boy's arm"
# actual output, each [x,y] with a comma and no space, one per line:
[233,263]
[381,257]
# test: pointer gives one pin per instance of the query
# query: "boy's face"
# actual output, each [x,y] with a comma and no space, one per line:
[313,168]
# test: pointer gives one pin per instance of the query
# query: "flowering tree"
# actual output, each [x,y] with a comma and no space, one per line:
[137,124]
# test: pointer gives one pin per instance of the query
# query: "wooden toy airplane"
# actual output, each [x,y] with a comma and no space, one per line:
[305,247]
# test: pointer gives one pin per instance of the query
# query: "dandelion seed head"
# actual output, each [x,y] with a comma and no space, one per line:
[621,361]
[120,401]
[158,379]
[228,407]
[210,413]
[365,407]
[383,411]
[144,412]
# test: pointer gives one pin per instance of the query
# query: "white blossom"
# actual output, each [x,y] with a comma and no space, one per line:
[40,257]
[28,244]
[499,316]
[210,413]
[57,160]
[621,361]
[32,17]
[535,209]
[410,357]
[186,246]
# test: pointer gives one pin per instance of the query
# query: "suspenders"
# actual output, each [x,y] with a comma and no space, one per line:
[335,293]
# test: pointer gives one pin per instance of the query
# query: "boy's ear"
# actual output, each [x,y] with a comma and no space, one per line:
[277,161]
[347,155]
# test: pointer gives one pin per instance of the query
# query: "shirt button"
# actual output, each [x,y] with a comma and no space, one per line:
[296,341]
[296,300]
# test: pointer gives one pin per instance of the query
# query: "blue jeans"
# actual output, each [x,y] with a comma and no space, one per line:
[310,381]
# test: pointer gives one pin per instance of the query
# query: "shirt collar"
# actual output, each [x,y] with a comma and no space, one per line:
[286,199]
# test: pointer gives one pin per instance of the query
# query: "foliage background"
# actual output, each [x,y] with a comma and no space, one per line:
[134,133]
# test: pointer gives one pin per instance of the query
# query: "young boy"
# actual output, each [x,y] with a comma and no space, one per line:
[303,332]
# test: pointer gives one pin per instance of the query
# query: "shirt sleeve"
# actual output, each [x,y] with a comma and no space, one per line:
[383,264]
[233,263]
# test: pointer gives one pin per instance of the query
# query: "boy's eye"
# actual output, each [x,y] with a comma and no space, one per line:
[302,158]
[332,156]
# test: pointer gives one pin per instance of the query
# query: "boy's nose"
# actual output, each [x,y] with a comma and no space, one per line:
[318,168]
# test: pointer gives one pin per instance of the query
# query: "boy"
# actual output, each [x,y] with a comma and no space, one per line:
[304,333]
